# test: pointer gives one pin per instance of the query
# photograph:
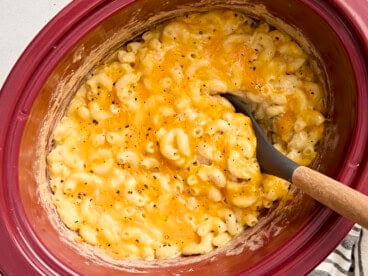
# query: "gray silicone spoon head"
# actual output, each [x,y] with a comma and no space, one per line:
[270,159]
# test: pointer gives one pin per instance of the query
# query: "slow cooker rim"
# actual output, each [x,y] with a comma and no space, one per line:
[7,95]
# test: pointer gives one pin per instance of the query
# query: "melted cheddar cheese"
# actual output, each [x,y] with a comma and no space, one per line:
[148,162]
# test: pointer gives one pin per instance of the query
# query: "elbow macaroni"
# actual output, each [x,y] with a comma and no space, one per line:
[149,163]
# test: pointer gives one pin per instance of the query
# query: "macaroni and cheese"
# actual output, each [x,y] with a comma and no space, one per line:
[148,162]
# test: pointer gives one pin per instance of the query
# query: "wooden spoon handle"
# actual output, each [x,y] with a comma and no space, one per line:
[333,194]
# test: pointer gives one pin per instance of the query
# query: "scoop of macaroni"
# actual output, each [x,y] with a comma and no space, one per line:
[149,163]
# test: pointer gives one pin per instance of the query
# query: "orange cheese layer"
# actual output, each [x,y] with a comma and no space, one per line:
[149,163]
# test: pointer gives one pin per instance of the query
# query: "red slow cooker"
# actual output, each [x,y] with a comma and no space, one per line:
[71,44]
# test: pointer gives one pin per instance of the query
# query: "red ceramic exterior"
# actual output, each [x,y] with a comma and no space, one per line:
[18,250]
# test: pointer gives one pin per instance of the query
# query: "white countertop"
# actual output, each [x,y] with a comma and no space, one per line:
[20,21]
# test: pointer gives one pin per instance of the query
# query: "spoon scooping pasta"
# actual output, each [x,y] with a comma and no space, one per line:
[331,193]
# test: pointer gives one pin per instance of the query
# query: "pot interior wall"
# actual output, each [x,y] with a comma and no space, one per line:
[112,32]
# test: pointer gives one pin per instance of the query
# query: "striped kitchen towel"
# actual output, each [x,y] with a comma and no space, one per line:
[349,258]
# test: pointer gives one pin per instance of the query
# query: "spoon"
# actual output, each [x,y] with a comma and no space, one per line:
[331,193]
